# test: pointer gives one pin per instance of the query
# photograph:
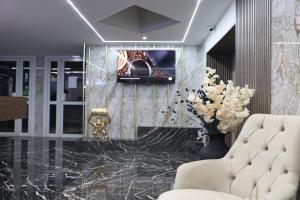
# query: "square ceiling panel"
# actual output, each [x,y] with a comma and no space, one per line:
[139,20]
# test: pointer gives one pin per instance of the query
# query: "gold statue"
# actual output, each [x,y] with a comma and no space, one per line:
[99,119]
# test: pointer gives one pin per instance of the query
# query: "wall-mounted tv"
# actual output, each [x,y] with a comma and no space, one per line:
[146,66]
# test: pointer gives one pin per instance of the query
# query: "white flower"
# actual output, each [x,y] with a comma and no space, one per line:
[210,70]
[192,97]
[228,102]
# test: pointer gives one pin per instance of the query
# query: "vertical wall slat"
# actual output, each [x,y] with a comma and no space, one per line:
[253,56]
[221,56]
[223,63]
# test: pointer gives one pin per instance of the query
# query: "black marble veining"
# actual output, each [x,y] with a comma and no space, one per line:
[41,168]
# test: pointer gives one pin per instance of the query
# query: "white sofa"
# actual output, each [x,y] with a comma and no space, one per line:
[263,164]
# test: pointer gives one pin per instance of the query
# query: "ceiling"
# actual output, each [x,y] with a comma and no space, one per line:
[138,20]
[53,27]
[226,45]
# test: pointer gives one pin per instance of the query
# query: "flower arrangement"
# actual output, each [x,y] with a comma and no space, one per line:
[221,107]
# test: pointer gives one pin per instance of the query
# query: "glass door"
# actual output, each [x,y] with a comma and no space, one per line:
[25,89]
[8,74]
[17,79]
[65,97]
[72,104]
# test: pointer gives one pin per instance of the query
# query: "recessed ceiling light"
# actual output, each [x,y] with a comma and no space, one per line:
[141,41]
[144,38]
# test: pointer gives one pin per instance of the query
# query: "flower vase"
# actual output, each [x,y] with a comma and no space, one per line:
[215,148]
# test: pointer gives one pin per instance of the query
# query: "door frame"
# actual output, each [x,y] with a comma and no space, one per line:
[19,90]
[59,98]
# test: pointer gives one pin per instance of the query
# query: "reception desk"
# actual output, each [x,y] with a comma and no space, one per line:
[12,108]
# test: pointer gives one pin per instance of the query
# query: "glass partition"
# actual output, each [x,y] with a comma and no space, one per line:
[65,83]
[8,72]
[15,80]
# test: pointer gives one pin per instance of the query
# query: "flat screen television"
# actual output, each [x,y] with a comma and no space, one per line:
[146,66]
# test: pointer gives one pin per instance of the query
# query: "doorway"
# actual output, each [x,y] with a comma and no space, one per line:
[64,86]
[17,78]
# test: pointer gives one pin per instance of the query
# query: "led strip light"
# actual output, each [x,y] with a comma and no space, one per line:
[130,41]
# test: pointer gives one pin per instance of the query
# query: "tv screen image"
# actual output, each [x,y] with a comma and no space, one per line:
[146,66]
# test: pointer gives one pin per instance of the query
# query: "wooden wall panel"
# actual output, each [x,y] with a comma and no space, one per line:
[253,51]
[222,56]
[223,63]
[12,108]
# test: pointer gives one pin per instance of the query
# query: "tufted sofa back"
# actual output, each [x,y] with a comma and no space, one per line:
[265,159]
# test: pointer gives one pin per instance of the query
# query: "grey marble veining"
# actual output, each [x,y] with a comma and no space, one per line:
[39,94]
[144,113]
[286,79]
[128,114]
[95,80]
[285,57]
[285,20]
[39,101]
[41,168]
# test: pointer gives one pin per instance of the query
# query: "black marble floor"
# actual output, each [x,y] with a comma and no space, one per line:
[40,168]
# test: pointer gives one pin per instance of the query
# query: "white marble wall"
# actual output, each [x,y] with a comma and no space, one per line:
[39,95]
[285,57]
[133,105]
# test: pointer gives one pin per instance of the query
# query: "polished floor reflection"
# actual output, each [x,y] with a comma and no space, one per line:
[36,168]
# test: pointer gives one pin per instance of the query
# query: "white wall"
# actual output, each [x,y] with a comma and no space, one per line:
[224,25]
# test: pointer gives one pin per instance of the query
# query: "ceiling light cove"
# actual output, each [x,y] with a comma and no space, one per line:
[84,19]
[144,38]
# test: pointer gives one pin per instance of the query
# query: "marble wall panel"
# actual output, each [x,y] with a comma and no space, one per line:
[39,96]
[286,79]
[133,105]
[285,20]
[95,80]
[39,99]
[192,74]
[112,97]
[285,57]
[144,105]
[128,115]
[127,98]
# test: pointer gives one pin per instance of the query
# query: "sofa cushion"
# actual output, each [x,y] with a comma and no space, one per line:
[194,194]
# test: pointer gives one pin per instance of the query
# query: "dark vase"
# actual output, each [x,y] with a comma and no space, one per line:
[215,148]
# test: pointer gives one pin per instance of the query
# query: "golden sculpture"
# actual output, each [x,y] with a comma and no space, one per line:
[99,119]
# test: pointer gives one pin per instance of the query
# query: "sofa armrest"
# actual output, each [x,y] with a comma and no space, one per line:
[285,191]
[206,175]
